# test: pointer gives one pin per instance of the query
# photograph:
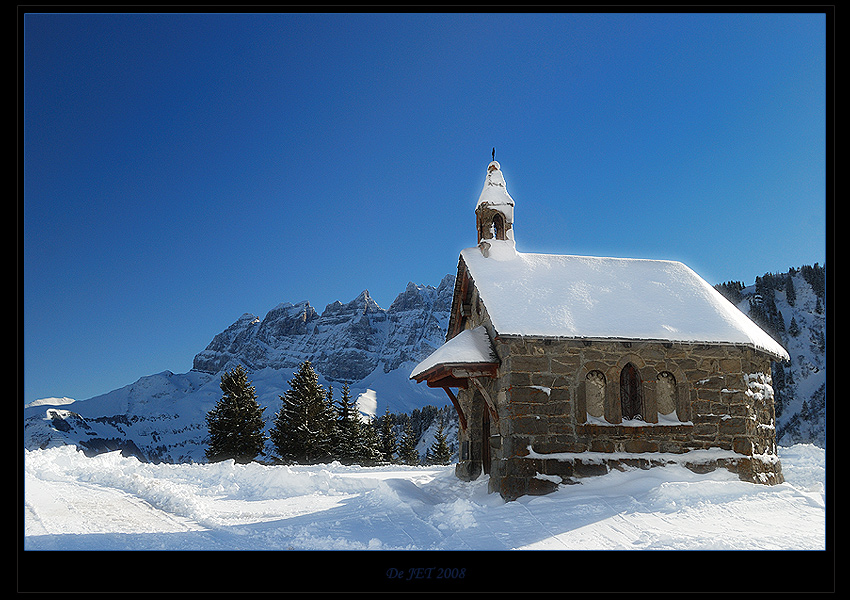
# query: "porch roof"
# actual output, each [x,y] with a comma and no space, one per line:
[468,354]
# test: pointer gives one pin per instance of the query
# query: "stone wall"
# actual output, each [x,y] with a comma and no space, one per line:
[543,434]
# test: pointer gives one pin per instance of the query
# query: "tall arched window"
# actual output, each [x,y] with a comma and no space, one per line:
[594,394]
[631,398]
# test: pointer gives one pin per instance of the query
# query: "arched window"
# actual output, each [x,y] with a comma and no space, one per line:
[665,392]
[499,226]
[594,394]
[631,398]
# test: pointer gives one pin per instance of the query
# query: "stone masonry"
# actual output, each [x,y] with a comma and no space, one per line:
[541,433]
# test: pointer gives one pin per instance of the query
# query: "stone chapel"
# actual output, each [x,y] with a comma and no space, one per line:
[570,366]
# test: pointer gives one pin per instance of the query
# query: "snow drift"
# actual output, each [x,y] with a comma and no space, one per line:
[109,502]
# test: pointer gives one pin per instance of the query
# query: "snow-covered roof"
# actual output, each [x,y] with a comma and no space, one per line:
[470,346]
[495,191]
[544,295]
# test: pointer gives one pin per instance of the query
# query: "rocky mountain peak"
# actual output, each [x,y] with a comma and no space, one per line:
[345,343]
[362,304]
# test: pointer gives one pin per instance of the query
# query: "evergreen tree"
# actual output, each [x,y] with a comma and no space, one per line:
[236,423]
[816,277]
[304,428]
[439,453]
[757,309]
[790,292]
[765,314]
[731,290]
[387,438]
[780,388]
[764,288]
[350,440]
[794,328]
[407,453]
[370,444]
[818,340]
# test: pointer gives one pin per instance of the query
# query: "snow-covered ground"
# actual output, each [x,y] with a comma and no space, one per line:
[109,502]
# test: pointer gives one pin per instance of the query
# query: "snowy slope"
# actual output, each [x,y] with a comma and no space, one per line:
[110,502]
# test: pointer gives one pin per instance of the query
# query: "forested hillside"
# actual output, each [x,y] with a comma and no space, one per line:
[791,307]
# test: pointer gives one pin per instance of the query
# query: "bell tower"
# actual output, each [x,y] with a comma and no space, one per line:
[494,213]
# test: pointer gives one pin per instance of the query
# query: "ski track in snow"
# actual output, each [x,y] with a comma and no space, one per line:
[114,503]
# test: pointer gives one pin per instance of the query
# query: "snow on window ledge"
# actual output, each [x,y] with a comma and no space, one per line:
[670,420]
[706,455]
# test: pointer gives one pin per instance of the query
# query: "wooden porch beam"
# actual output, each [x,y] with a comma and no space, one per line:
[460,416]
[448,381]
[475,370]
[488,400]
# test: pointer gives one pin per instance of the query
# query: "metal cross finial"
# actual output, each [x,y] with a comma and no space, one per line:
[494,154]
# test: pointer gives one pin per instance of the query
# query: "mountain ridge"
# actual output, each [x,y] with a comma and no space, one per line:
[345,342]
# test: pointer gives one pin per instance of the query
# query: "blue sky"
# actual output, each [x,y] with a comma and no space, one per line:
[183,169]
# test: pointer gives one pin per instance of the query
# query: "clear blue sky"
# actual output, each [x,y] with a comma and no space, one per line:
[183,169]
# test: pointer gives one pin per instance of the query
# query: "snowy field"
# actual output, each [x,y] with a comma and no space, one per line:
[112,503]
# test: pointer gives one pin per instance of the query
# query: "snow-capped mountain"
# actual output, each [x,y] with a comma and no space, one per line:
[161,416]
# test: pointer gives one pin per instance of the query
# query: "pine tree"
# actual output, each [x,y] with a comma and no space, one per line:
[815,277]
[790,292]
[794,328]
[779,388]
[731,290]
[304,427]
[387,438]
[439,453]
[350,435]
[818,340]
[236,423]
[370,445]
[407,453]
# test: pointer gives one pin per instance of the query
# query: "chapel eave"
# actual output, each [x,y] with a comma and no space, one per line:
[623,340]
